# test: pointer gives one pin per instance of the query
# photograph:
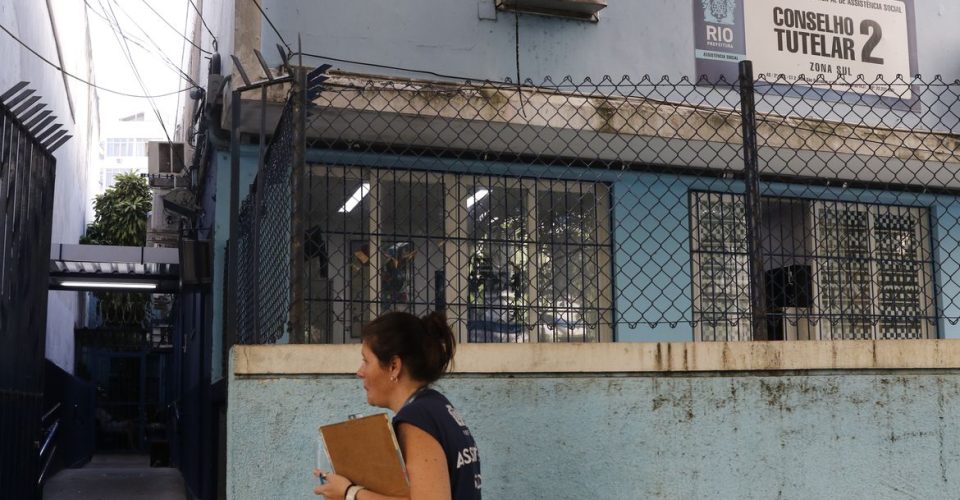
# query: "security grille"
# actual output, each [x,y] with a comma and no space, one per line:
[719,261]
[870,269]
[27,178]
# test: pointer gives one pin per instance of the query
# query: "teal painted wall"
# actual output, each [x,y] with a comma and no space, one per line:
[221,235]
[721,435]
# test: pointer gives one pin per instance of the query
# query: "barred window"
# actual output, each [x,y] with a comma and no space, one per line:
[509,259]
[125,147]
[721,299]
[833,270]
[875,270]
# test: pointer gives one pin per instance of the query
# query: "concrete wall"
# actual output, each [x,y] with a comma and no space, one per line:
[709,420]
[60,36]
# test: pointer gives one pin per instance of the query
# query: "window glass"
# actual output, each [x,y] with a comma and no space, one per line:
[338,256]
[411,260]
[497,245]
[125,148]
[568,263]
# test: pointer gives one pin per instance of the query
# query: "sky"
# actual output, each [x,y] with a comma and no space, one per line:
[157,46]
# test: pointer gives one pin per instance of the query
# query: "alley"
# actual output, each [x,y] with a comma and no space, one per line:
[109,477]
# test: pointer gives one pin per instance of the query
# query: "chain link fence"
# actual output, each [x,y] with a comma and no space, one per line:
[264,240]
[614,210]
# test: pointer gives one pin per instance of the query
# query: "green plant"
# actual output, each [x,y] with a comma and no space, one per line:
[121,213]
[121,219]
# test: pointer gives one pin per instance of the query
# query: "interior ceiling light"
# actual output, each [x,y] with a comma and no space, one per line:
[107,284]
[479,195]
[355,198]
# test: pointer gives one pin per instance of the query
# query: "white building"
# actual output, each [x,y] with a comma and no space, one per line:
[124,133]
[58,31]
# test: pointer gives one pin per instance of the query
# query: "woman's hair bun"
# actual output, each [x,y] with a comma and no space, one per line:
[426,345]
[440,344]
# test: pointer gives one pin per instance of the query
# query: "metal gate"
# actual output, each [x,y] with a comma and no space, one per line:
[27,169]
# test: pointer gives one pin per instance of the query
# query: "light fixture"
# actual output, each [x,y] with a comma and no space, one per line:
[355,198]
[108,284]
[479,195]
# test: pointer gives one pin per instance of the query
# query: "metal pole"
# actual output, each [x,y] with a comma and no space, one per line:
[256,216]
[230,332]
[297,190]
[752,203]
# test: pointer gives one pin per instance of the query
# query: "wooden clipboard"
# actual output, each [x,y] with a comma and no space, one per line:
[366,451]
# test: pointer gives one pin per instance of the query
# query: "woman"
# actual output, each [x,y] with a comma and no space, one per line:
[401,356]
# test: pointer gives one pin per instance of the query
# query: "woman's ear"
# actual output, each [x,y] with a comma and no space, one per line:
[396,367]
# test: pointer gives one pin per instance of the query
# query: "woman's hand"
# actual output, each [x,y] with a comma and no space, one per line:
[334,486]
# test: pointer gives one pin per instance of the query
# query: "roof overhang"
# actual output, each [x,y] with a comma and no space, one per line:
[114,268]
[548,124]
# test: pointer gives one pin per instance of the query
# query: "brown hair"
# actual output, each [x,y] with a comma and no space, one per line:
[425,345]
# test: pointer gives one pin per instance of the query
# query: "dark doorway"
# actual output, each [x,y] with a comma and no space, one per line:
[132,397]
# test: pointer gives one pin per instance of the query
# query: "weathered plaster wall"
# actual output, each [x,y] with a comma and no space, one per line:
[881,433]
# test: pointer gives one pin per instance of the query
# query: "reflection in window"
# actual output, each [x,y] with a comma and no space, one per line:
[568,259]
[411,258]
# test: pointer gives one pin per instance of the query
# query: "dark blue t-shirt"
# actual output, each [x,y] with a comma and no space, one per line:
[431,412]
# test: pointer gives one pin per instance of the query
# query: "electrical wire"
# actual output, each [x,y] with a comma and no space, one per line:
[183,51]
[159,52]
[204,22]
[516,39]
[129,56]
[275,30]
[81,80]
[384,66]
[181,33]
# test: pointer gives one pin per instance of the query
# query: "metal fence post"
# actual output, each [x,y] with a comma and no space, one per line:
[297,207]
[752,203]
[258,214]
[233,291]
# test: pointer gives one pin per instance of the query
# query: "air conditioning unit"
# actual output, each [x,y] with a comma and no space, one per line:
[586,10]
[165,157]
